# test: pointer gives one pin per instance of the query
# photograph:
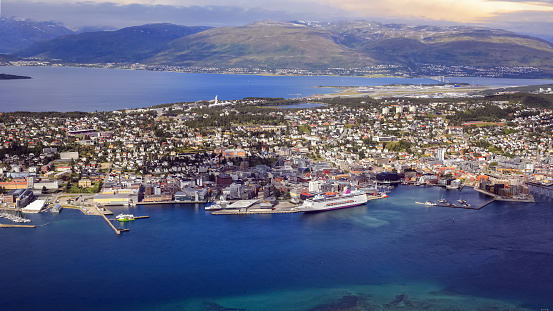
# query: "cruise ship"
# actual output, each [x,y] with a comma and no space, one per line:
[330,202]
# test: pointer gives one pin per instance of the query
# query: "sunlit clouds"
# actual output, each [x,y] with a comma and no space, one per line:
[467,11]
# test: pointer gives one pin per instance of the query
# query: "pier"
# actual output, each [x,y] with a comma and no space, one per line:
[252,212]
[141,217]
[118,231]
[16,226]
[461,206]
[527,199]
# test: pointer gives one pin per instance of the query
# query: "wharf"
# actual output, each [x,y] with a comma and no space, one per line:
[141,217]
[282,207]
[118,231]
[171,202]
[16,226]
[253,212]
[461,206]
[529,199]
[474,208]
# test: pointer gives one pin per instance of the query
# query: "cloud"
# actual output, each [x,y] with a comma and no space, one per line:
[522,16]
[467,11]
[127,13]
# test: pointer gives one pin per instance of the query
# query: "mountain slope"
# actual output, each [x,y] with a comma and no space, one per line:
[473,46]
[262,44]
[305,45]
[132,44]
[19,34]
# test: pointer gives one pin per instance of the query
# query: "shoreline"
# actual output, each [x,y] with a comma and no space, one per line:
[496,197]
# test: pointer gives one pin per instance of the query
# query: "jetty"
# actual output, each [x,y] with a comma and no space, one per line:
[252,212]
[460,206]
[117,231]
[16,226]
[529,198]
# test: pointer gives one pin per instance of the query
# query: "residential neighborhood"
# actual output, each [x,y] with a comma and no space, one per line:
[260,148]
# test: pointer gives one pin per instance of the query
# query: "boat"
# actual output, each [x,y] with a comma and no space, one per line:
[14,218]
[323,202]
[444,202]
[219,205]
[464,203]
[429,203]
[124,217]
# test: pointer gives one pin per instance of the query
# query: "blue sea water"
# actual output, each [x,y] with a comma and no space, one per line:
[182,258]
[87,89]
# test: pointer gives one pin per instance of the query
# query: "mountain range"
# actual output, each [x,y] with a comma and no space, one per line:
[300,45]
[16,34]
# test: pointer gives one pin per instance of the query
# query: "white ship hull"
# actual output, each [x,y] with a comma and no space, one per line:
[336,202]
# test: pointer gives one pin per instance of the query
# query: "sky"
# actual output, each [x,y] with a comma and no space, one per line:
[532,17]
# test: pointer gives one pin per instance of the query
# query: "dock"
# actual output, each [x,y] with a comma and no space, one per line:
[141,217]
[118,231]
[17,226]
[252,212]
[461,206]
[474,208]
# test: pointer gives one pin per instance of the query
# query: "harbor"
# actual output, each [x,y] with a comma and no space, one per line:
[181,238]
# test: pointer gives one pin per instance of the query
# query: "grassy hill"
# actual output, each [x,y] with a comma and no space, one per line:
[263,45]
[303,45]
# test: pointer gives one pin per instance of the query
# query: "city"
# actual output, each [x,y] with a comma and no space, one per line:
[258,148]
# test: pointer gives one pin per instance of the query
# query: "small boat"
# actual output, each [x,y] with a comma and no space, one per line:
[124,217]
[444,202]
[429,203]
[219,205]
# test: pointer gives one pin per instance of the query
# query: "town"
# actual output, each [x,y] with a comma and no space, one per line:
[273,150]
[420,70]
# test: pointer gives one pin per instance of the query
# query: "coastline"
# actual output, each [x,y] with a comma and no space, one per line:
[496,197]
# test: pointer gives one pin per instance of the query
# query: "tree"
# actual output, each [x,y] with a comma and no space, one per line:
[277,192]
[287,195]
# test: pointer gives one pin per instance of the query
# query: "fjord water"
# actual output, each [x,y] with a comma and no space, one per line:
[88,89]
[182,258]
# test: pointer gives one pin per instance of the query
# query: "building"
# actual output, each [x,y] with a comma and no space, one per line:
[85,183]
[112,199]
[69,155]
[35,207]
[19,198]
[440,154]
[191,195]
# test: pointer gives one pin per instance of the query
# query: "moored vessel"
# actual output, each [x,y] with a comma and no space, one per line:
[325,203]
[124,217]
[445,203]
[219,205]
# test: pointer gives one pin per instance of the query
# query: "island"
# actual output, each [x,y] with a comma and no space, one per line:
[4,76]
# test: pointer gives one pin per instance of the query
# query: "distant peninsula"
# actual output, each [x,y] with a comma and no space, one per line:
[4,76]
